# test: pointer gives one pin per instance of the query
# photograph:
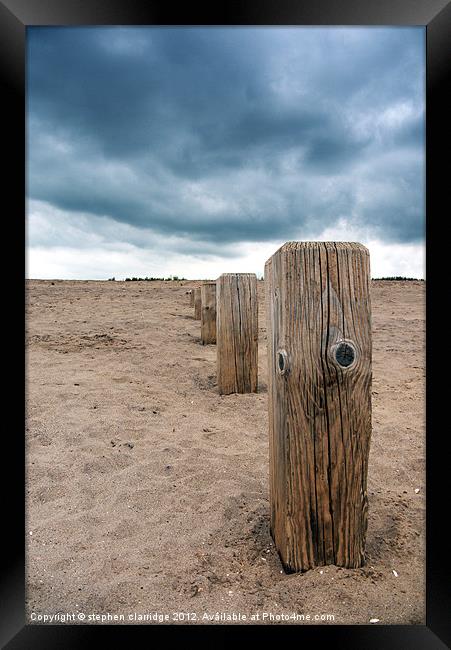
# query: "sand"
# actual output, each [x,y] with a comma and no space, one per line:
[147,492]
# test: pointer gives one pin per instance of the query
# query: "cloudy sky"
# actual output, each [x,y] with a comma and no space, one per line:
[198,151]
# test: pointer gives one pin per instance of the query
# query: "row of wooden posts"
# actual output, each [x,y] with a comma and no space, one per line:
[318,318]
[228,314]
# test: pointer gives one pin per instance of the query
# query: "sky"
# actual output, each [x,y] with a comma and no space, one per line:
[198,151]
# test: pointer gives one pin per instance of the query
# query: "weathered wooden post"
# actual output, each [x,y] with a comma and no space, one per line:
[319,389]
[208,313]
[237,333]
[197,304]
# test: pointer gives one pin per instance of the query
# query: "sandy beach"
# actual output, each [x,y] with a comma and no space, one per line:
[147,491]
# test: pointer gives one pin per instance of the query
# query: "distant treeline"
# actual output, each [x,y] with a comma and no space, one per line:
[399,277]
[175,278]
[171,278]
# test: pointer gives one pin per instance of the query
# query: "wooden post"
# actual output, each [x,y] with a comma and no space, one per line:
[237,333]
[197,304]
[208,313]
[319,357]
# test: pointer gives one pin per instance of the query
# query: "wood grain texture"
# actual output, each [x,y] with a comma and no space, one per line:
[208,313]
[237,333]
[197,304]
[319,395]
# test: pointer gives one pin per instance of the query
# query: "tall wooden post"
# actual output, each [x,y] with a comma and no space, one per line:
[208,313]
[237,333]
[197,304]
[319,356]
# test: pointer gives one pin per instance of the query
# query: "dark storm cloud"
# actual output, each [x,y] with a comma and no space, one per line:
[230,134]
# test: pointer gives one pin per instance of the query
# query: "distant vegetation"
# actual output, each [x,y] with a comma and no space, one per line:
[399,277]
[172,278]
[175,278]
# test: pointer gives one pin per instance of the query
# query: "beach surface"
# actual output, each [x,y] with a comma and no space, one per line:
[147,491]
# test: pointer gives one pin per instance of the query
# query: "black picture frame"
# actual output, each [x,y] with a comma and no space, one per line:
[435,15]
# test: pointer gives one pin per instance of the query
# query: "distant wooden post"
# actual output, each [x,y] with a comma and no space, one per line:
[197,304]
[237,333]
[319,356]
[208,313]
